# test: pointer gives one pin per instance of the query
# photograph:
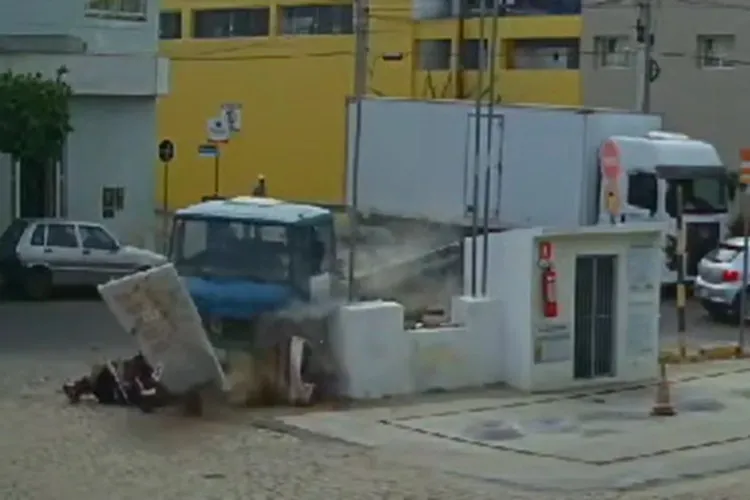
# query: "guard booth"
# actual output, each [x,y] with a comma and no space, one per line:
[581,306]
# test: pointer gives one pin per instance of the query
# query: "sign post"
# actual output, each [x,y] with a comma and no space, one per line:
[166,155]
[219,131]
[744,182]
[232,113]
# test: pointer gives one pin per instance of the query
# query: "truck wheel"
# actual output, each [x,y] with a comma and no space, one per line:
[37,283]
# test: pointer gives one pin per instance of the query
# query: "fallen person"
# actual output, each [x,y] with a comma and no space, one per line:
[122,382]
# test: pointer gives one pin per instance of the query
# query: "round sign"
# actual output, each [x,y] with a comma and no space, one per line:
[166,150]
[610,160]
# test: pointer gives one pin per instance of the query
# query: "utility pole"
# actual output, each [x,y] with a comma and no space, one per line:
[492,56]
[482,60]
[644,62]
[362,41]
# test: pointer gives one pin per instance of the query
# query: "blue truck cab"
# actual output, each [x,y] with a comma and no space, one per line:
[245,257]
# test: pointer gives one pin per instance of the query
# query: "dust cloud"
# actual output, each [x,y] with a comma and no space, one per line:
[417,264]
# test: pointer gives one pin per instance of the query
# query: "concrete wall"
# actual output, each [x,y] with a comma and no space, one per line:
[379,358]
[100,35]
[317,71]
[116,76]
[515,280]
[98,75]
[113,144]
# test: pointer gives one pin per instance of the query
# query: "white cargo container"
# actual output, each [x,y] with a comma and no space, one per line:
[547,168]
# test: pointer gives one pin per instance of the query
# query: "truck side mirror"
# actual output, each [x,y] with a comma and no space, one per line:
[733,184]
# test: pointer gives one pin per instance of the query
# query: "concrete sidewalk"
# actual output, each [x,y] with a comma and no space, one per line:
[571,442]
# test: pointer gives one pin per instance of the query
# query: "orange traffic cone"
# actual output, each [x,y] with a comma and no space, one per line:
[663,404]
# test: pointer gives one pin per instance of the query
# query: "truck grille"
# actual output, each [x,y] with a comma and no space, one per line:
[702,237]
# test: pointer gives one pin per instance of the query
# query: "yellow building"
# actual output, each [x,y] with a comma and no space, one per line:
[289,63]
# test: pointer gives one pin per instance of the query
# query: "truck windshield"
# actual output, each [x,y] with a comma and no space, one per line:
[220,248]
[701,196]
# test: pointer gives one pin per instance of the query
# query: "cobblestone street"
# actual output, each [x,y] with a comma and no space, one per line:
[51,450]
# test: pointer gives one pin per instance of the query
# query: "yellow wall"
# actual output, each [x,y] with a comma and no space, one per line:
[293,92]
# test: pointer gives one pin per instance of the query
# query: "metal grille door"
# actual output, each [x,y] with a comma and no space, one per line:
[594,323]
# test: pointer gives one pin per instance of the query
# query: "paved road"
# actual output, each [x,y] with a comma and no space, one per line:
[53,451]
[701,330]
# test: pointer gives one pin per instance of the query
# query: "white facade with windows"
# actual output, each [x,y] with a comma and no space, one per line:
[110,51]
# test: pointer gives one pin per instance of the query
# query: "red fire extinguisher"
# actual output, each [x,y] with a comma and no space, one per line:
[549,292]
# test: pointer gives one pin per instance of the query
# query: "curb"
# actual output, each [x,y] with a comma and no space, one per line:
[720,353]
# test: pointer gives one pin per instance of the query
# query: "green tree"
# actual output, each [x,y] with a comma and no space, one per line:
[34,116]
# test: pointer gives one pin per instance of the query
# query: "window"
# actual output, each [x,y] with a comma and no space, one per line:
[96,238]
[700,196]
[62,235]
[230,23]
[37,237]
[317,20]
[474,7]
[434,54]
[237,249]
[542,7]
[643,191]
[472,52]
[113,200]
[136,10]
[523,7]
[552,53]
[170,25]
[714,51]
[612,51]
[322,249]
[437,9]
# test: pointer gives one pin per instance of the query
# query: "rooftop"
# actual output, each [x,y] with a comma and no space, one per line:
[257,209]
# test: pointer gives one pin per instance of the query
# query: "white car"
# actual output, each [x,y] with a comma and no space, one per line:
[37,255]
[719,281]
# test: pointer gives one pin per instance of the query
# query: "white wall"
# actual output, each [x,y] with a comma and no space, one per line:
[113,144]
[496,338]
[378,358]
[105,75]
[515,280]
[67,17]
[509,275]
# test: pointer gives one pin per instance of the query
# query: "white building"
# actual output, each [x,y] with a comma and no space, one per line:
[110,48]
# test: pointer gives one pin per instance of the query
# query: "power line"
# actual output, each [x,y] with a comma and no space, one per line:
[218,57]
[714,4]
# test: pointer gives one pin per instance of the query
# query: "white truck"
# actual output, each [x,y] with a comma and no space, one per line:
[548,166]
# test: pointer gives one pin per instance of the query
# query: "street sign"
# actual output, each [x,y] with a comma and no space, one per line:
[166,150]
[208,151]
[609,160]
[745,166]
[232,113]
[218,129]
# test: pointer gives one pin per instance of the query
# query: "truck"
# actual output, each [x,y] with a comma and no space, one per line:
[535,166]
[250,261]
